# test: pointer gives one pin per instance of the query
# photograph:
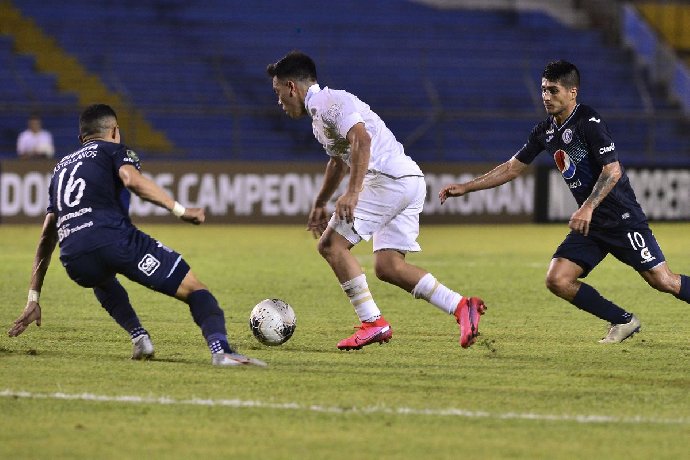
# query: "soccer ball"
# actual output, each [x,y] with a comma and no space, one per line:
[272,321]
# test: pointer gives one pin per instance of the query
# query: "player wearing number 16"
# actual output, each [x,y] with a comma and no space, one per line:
[88,215]
[609,219]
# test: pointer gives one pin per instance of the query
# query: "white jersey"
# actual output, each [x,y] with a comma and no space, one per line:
[334,112]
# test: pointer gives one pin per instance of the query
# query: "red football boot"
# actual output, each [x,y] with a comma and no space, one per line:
[468,313]
[378,331]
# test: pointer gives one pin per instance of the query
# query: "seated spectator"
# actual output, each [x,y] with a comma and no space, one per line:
[35,142]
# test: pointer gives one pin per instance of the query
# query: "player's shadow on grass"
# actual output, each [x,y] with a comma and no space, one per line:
[166,360]
[293,349]
[30,352]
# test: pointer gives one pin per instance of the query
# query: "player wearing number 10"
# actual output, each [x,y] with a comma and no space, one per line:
[88,215]
[609,220]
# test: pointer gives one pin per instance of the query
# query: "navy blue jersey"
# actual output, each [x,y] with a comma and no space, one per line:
[580,148]
[88,198]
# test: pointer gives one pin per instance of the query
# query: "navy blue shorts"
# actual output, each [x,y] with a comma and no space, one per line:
[139,257]
[636,247]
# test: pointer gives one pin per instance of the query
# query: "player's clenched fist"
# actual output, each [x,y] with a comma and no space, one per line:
[194,216]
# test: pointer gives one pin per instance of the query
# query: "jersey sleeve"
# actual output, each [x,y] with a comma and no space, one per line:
[599,140]
[534,145]
[126,156]
[343,115]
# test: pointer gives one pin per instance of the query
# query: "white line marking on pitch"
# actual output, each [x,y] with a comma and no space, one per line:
[238,403]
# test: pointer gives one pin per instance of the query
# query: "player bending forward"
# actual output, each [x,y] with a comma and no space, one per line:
[88,215]
[609,219]
[384,196]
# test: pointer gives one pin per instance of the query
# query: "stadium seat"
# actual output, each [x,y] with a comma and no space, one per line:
[458,84]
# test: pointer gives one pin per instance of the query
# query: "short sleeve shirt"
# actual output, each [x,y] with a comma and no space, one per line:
[580,148]
[88,197]
[335,112]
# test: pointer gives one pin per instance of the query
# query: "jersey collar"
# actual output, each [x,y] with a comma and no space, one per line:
[313,89]
[553,119]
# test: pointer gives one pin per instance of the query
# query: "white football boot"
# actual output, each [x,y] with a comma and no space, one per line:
[235,359]
[619,332]
[142,347]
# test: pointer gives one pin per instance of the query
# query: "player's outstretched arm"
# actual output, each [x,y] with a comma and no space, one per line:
[501,174]
[44,251]
[148,190]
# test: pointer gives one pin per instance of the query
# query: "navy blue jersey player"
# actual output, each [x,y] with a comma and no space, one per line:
[609,219]
[88,216]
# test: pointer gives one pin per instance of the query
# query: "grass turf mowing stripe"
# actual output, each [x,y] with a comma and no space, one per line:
[450,412]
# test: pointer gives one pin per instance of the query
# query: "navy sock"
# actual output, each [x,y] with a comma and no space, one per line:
[210,318]
[684,293]
[219,344]
[115,301]
[136,332]
[589,300]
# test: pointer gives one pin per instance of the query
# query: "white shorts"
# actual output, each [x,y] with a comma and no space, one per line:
[388,210]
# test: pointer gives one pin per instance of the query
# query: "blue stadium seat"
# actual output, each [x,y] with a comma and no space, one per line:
[196,69]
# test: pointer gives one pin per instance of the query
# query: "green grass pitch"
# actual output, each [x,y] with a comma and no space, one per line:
[537,385]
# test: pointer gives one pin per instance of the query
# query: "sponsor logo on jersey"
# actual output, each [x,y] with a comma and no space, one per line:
[607,149]
[149,264]
[595,120]
[646,255]
[548,139]
[567,136]
[575,184]
[565,165]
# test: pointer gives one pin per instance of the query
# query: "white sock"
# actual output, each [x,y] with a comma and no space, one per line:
[429,289]
[357,291]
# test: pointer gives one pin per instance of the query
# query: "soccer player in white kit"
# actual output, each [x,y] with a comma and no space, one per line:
[383,199]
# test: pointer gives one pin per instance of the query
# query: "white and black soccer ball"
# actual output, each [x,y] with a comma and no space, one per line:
[272,321]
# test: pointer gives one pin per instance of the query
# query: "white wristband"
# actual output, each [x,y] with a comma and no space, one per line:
[33,295]
[178,210]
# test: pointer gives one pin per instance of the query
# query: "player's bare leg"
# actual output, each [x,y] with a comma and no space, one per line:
[335,249]
[562,280]
[391,267]
[663,279]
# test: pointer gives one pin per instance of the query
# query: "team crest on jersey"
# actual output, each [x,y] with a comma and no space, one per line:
[149,264]
[565,165]
[133,155]
[567,136]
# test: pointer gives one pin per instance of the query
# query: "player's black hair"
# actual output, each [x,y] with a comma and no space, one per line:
[295,65]
[94,119]
[563,72]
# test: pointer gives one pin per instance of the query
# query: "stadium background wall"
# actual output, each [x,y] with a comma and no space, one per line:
[282,193]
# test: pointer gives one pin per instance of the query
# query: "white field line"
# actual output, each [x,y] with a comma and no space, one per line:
[450,412]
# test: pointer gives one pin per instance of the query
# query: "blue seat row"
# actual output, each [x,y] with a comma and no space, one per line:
[196,69]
